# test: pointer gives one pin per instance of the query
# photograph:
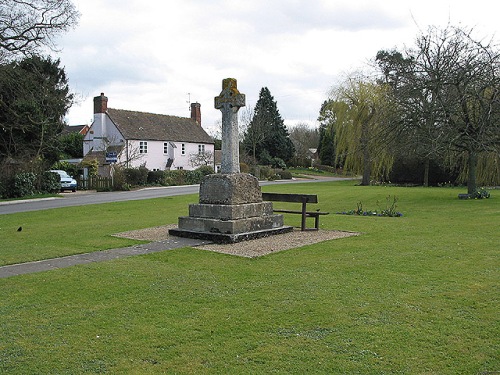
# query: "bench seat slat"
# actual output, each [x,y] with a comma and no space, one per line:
[310,213]
[298,198]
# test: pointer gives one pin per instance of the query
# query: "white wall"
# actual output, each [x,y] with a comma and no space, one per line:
[102,133]
[157,159]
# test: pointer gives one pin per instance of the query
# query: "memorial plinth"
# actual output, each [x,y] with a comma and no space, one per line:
[230,205]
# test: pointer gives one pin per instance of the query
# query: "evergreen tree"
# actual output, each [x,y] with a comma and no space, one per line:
[326,146]
[34,97]
[267,130]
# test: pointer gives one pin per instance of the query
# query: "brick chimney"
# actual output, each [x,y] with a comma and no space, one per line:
[196,112]
[100,104]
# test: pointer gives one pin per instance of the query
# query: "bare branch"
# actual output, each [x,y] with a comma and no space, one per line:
[28,26]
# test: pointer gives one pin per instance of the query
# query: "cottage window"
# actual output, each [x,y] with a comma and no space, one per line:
[143,147]
[201,149]
[165,148]
[183,149]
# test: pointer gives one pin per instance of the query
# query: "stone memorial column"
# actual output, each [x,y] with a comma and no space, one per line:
[229,102]
[230,207]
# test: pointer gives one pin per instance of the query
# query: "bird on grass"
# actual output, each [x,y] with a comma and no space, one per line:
[19,229]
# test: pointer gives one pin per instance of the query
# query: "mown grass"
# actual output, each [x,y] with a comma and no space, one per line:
[411,295]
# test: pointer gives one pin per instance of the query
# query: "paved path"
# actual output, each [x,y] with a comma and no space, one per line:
[98,256]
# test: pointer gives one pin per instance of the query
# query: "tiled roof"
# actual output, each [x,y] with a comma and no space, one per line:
[74,129]
[150,126]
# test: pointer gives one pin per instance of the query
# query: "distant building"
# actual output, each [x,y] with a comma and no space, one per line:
[158,142]
[312,154]
[80,129]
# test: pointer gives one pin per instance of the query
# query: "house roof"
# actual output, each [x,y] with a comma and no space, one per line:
[82,129]
[150,126]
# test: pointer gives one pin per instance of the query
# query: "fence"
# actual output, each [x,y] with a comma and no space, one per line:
[94,183]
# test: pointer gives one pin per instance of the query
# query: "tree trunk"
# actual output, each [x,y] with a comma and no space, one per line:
[366,167]
[366,154]
[426,172]
[471,180]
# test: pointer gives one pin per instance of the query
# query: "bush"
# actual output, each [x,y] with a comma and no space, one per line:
[50,182]
[244,168]
[119,180]
[278,163]
[156,177]
[175,178]
[205,170]
[193,177]
[136,176]
[265,172]
[23,185]
[91,165]
[6,187]
[285,175]
[481,193]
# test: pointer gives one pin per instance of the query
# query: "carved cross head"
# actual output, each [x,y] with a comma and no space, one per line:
[229,95]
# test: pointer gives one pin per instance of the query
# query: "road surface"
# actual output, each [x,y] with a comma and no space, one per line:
[82,198]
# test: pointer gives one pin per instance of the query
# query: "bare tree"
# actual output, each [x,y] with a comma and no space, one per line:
[198,159]
[303,138]
[26,26]
[448,96]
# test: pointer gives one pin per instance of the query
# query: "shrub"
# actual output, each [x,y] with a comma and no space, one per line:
[156,177]
[91,165]
[481,193]
[285,174]
[174,178]
[50,182]
[388,211]
[193,177]
[119,180]
[244,168]
[6,186]
[136,176]
[265,172]
[206,170]
[278,163]
[23,184]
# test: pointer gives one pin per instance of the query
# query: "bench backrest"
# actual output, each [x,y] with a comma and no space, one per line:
[299,198]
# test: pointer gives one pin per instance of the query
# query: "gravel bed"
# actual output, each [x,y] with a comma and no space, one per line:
[252,248]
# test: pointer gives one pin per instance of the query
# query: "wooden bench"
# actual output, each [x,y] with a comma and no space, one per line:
[297,198]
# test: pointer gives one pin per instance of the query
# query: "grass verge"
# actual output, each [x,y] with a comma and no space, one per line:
[415,294]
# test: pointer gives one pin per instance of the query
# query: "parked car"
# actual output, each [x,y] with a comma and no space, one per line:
[67,182]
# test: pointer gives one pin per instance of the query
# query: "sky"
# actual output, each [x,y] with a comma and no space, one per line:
[159,55]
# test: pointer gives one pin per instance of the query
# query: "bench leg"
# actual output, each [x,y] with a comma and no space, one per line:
[316,222]
[303,224]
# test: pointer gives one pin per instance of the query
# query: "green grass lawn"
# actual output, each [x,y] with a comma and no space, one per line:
[412,295]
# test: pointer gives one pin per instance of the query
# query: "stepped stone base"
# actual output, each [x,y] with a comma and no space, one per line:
[230,210]
[249,224]
[229,238]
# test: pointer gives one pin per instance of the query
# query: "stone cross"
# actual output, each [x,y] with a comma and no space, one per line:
[229,102]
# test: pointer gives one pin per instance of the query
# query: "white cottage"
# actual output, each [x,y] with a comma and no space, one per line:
[156,141]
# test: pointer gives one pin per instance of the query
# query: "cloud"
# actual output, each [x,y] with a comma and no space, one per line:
[148,56]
